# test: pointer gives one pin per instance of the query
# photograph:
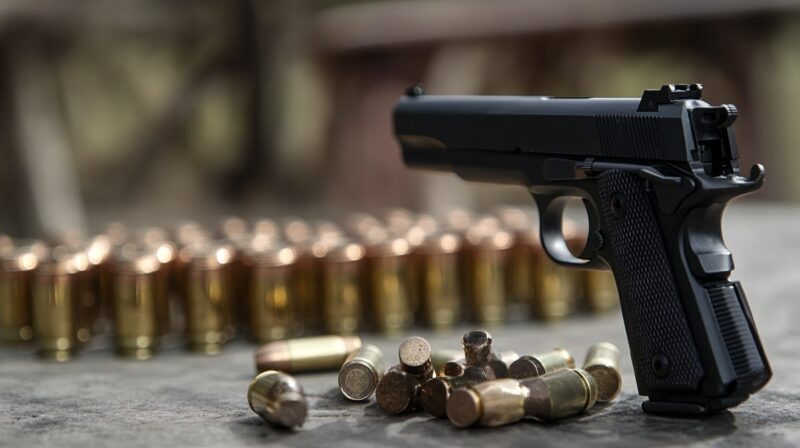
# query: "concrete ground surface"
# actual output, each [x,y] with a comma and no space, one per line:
[182,399]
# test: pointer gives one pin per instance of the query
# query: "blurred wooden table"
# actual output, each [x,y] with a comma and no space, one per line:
[180,399]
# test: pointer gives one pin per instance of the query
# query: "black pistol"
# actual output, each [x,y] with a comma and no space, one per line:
[654,175]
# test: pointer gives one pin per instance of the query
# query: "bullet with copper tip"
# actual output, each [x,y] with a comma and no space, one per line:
[602,362]
[528,366]
[398,391]
[434,393]
[306,354]
[17,265]
[361,373]
[415,356]
[278,398]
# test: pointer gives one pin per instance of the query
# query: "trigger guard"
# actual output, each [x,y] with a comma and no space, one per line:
[551,211]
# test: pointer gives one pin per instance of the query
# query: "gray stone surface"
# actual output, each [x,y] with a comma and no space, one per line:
[180,399]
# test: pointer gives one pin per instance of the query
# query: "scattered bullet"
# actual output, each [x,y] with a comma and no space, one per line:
[278,398]
[317,353]
[602,362]
[527,366]
[361,373]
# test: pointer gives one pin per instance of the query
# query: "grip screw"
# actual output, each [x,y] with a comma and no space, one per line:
[618,204]
[660,365]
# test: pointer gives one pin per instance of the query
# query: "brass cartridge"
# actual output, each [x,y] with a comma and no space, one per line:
[55,308]
[437,279]
[398,391]
[500,402]
[166,252]
[528,366]
[560,394]
[307,272]
[17,265]
[556,288]
[273,305]
[98,252]
[389,284]
[208,291]
[317,353]
[491,403]
[278,398]
[602,362]
[361,373]
[136,288]
[599,291]
[84,294]
[434,393]
[342,287]
[485,272]
[440,358]
[519,273]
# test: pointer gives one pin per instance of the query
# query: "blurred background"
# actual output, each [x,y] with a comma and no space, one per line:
[151,112]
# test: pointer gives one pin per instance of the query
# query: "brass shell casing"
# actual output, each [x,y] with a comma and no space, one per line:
[602,362]
[557,288]
[491,403]
[485,274]
[560,394]
[16,273]
[528,366]
[167,255]
[135,303]
[207,300]
[273,303]
[437,279]
[342,287]
[55,309]
[519,273]
[278,398]
[599,291]
[306,354]
[389,285]
[361,373]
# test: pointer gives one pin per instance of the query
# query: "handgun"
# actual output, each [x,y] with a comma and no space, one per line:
[655,174]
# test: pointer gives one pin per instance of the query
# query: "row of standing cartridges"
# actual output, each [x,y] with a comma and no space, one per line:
[277,279]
